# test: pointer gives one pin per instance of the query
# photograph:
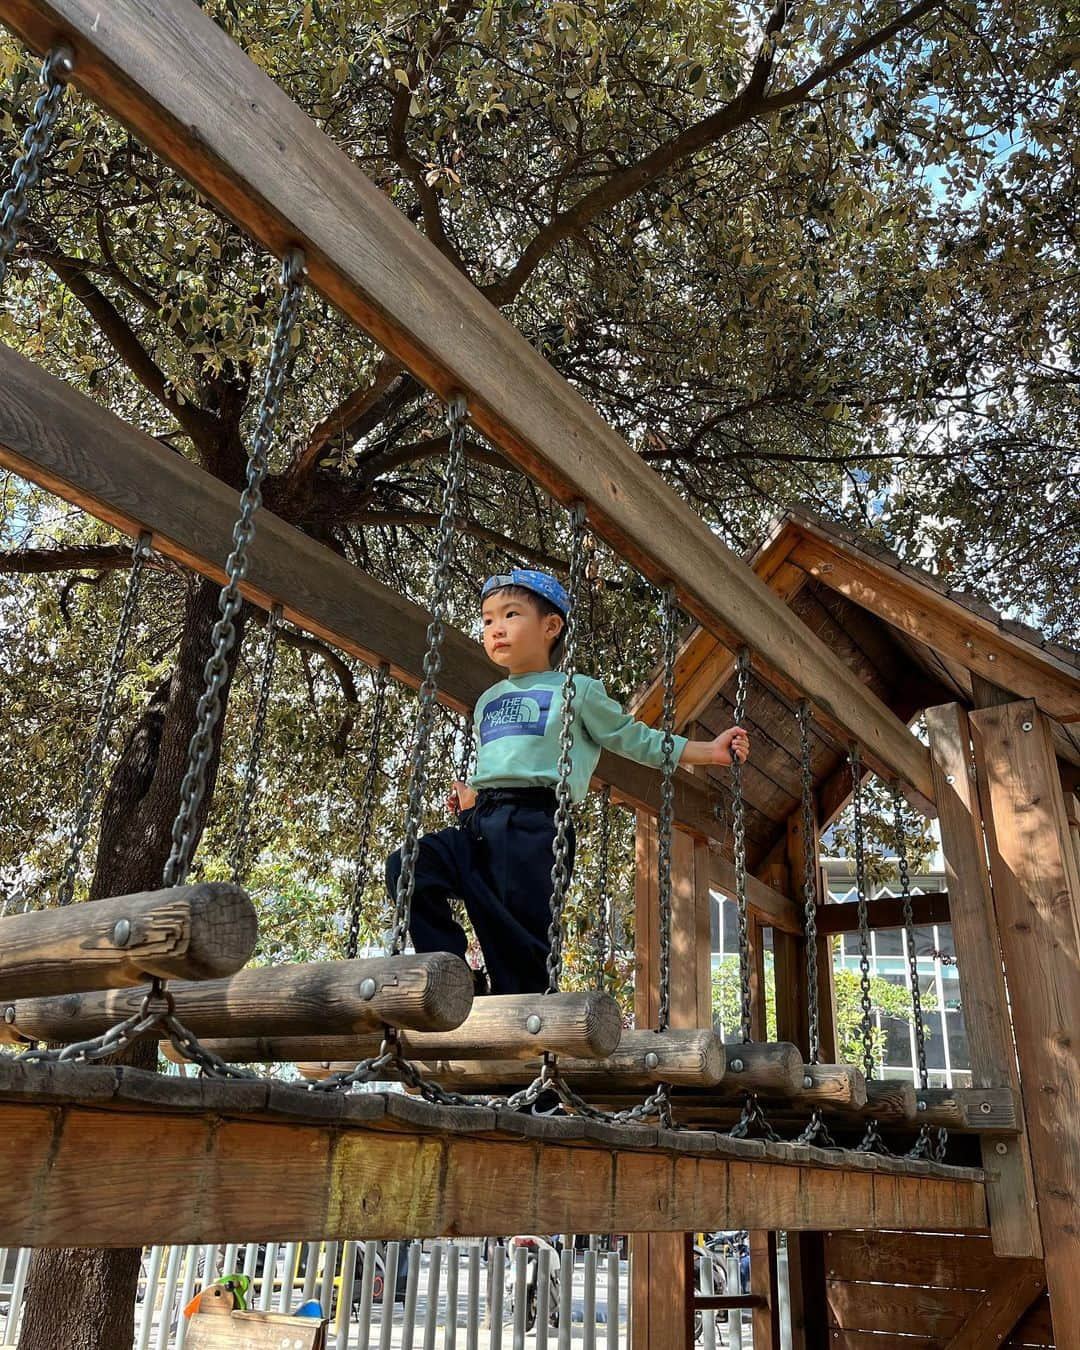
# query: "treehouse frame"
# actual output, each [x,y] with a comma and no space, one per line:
[239,1159]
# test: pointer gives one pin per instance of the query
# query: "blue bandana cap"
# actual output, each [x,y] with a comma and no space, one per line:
[540,583]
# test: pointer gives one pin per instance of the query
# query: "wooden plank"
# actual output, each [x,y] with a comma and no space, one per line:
[55,436]
[1037,898]
[1013,1212]
[178,82]
[900,1309]
[765,1316]
[870,1340]
[254,1331]
[222,1177]
[184,932]
[768,905]
[938,1259]
[1035,1327]
[917,609]
[928,908]
[430,992]
[999,1309]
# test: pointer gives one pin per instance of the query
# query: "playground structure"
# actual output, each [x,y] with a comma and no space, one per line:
[815,642]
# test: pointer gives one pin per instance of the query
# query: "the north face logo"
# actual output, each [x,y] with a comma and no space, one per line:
[518,714]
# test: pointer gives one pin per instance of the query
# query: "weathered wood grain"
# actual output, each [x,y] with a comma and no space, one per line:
[999,1309]
[186,932]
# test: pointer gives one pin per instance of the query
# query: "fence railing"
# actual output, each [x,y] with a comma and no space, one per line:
[466,1294]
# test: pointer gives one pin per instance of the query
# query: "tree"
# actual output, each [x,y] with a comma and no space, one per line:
[787,253]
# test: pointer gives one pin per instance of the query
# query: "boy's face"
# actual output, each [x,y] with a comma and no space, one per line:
[516,635]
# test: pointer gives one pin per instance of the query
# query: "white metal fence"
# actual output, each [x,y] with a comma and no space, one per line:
[478,1294]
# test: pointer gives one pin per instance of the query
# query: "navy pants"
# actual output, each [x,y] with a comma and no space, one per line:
[497,860]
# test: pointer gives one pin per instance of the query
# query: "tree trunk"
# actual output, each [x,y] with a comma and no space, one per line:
[84,1298]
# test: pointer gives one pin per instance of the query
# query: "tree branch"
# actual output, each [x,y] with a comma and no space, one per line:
[73,558]
[303,643]
[749,103]
[338,422]
[430,520]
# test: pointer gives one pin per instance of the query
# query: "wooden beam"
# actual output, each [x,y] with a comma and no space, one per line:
[185,932]
[56,437]
[919,610]
[1014,1217]
[1000,1308]
[1037,899]
[769,906]
[928,908]
[155,1160]
[178,82]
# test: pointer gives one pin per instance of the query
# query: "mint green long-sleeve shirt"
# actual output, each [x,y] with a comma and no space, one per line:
[517,733]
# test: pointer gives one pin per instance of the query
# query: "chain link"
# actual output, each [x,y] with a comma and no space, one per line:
[238,858]
[223,638]
[37,137]
[425,715]
[810,863]
[738,828]
[560,870]
[909,936]
[106,713]
[817,1132]
[865,1002]
[604,938]
[665,822]
[753,1123]
[367,809]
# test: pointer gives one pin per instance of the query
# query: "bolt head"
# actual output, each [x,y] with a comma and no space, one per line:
[1001,1149]
[921,1104]
[950,778]
[9,1014]
[991,656]
[368,989]
[533,1023]
[985,1108]
[807,1081]
[652,1060]
[736,1066]
[63,61]
[121,932]
[1026,726]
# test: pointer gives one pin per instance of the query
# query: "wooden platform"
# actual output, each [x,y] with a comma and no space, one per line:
[118,1157]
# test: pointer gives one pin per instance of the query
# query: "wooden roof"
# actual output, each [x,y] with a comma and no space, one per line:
[905,634]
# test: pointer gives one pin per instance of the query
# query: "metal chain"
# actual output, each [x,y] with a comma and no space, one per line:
[872,1141]
[560,870]
[810,862]
[468,748]
[425,715]
[223,638]
[753,1122]
[367,809]
[865,1001]
[909,936]
[25,172]
[738,826]
[665,821]
[604,940]
[817,1132]
[106,712]
[238,858]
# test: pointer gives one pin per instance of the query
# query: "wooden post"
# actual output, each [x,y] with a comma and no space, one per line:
[1037,899]
[662,1280]
[1011,1196]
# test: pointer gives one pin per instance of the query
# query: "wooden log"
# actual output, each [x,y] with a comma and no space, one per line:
[770,1069]
[1037,901]
[432,991]
[968,1110]
[889,1101]
[186,932]
[836,1085]
[180,84]
[1011,1194]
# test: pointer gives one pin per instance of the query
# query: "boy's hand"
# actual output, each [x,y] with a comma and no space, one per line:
[733,743]
[462,798]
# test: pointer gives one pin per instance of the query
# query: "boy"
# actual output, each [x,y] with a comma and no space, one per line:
[498,859]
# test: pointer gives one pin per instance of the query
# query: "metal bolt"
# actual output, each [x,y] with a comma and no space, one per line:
[950,778]
[9,1014]
[807,1081]
[533,1023]
[921,1104]
[1026,726]
[1002,1149]
[985,1108]
[63,61]
[990,656]
[368,989]
[121,933]
[652,1060]
[736,1066]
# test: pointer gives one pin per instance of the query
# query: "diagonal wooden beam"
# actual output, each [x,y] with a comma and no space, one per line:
[62,440]
[1014,1290]
[177,81]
